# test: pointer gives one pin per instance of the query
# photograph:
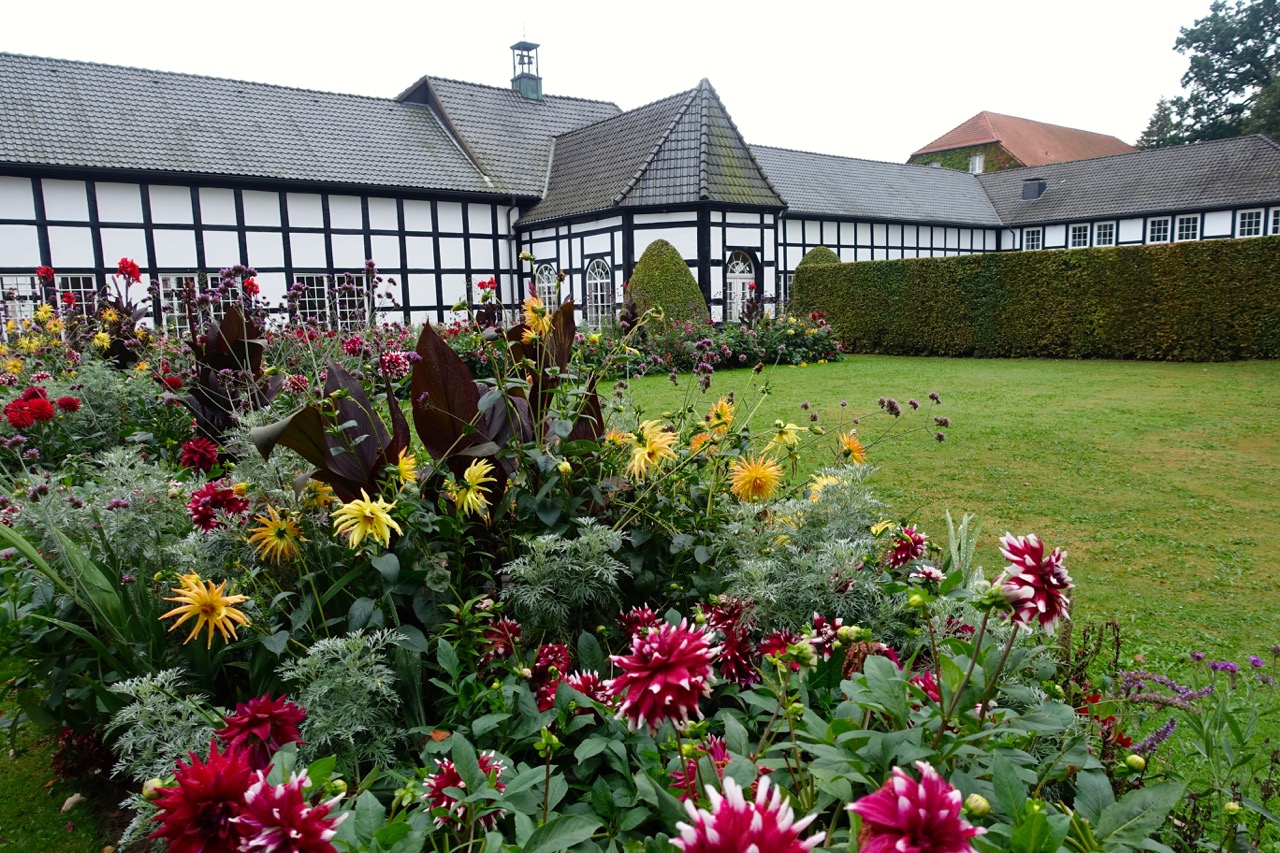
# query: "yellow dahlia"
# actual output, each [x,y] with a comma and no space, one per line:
[110,315]
[471,497]
[44,313]
[276,537]
[653,445]
[363,518]
[102,340]
[53,326]
[317,494]
[820,482]
[699,441]
[407,468]
[721,417]
[880,527]
[754,479]
[14,366]
[210,607]
[852,447]
[537,319]
[619,438]
[785,437]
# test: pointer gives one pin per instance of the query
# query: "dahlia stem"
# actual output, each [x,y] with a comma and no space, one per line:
[764,736]
[964,682]
[546,789]
[991,679]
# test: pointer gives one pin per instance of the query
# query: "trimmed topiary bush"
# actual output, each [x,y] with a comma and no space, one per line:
[1213,300]
[662,279]
[819,255]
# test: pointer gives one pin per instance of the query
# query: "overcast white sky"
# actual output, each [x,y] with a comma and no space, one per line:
[862,79]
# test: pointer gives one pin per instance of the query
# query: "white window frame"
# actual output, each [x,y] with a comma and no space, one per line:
[1104,228]
[1259,226]
[1192,229]
[598,293]
[739,274]
[1032,239]
[19,297]
[547,285]
[1078,232]
[1163,223]
[976,163]
[86,290]
[327,300]
[1275,221]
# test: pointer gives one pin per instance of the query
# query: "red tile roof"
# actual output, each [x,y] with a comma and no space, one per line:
[1033,143]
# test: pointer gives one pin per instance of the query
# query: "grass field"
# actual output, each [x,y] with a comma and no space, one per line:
[1161,480]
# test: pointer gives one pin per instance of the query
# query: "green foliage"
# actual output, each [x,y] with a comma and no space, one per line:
[819,255]
[163,723]
[662,280]
[1233,59]
[994,158]
[1213,300]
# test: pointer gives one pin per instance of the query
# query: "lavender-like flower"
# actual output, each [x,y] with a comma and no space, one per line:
[1153,740]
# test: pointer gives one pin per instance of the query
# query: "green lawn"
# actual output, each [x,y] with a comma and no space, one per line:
[1161,480]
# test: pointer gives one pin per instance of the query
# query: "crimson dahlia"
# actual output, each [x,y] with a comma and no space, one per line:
[1033,583]
[198,454]
[279,818]
[736,825]
[921,817]
[261,726]
[667,672]
[447,776]
[211,499]
[18,414]
[69,404]
[908,544]
[197,815]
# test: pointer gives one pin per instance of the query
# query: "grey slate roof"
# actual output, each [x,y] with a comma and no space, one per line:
[827,185]
[1223,173]
[61,113]
[680,149]
[509,137]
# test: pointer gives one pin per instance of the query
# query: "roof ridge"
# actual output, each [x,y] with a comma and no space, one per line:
[1054,125]
[741,141]
[188,74]
[620,115]
[451,130]
[857,159]
[1198,144]
[509,89]
[657,146]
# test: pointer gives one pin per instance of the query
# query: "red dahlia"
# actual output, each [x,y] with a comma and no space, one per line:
[212,499]
[500,640]
[280,819]
[447,776]
[1033,583]
[128,270]
[638,620]
[908,545]
[667,672]
[69,404]
[261,726]
[45,274]
[549,670]
[734,824]
[41,409]
[197,815]
[923,817]
[198,454]
[18,414]
[589,684]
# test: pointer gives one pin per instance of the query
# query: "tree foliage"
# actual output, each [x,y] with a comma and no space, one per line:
[1234,56]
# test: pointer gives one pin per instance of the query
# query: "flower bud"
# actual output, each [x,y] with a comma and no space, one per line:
[564,468]
[977,805]
[152,788]
[916,601]
[338,786]
[1136,763]
[1232,807]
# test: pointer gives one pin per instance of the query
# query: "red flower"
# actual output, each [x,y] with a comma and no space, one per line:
[251,287]
[297,383]
[394,365]
[438,783]
[908,545]
[1034,583]
[925,681]
[588,683]
[69,404]
[548,671]
[173,383]
[734,824]
[737,659]
[824,635]
[279,819]
[211,499]
[69,299]
[353,345]
[667,672]
[45,274]
[500,640]
[776,644]
[33,393]
[198,454]
[198,815]
[261,726]
[638,620]
[923,817]
[40,409]
[18,414]
[128,270]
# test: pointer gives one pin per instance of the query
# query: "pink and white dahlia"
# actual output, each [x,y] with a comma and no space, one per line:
[1033,583]
[922,817]
[500,640]
[638,620]
[736,825]
[824,635]
[908,544]
[447,776]
[395,365]
[280,819]
[667,672]
[738,656]
[589,684]
[550,668]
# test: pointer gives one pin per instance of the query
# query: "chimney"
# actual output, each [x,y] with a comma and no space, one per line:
[1033,188]
[524,71]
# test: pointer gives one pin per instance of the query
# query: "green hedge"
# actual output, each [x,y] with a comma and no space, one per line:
[662,278]
[1214,300]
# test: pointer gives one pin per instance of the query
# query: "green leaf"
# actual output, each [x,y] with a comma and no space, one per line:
[560,833]
[388,565]
[487,723]
[735,735]
[1010,792]
[447,657]
[589,748]
[360,613]
[412,638]
[369,818]
[275,643]
[590,655]
[464,759]
[1138,814]
[1093,795]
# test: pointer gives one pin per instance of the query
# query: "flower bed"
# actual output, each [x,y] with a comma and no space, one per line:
[332,591]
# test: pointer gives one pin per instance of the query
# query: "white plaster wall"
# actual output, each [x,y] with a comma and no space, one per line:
[171,205]
[307,250]
[684,239]
[1217,224]
[596,243]
[417,215]
[15,198]
[480,218]
[261,208]
[382,214]
[65,200]
[344,212]
[386,251]
[1055,236]
[305,210]
[450,213]
[455,288]
[19,246]
[265,248]
[422,288]
[119,202]
[481,254]
[348,252]
[420,251]
[175,250]
[118,243]
[743,218]
[664,218]
[451,255]
[272,286]
[217,206]
[221,248]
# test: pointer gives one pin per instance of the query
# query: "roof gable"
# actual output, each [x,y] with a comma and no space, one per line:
[1223,173]
[507,136]
[78,114]
[681,149]
[1032,143]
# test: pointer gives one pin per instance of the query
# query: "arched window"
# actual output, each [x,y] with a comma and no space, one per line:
[545,279]
[599,293]
[739,276]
